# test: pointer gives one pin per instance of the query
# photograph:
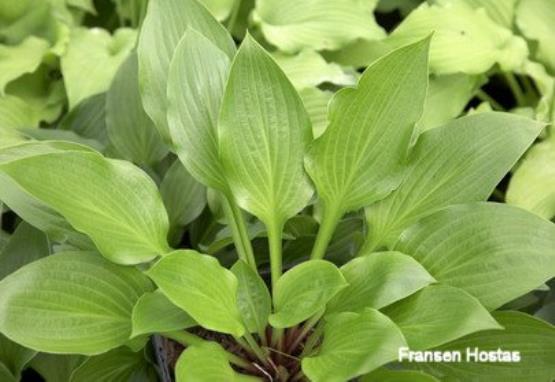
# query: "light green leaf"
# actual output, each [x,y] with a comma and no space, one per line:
[220,9]
[130,129]
[253,298]
[117,365]
[164,25]
[206,363]
[535,20]
[307,69]
[196,82]
[200,286]
[502,12]
[13,357]
[361,156]
[305,290]
[263,115]
[438,314]
[532,185]
[16,113]
[26,245]
[183,196]
[56,367]
[88,119]
[493,251]
[154,313]
[86,5]
[532,338]
[114,203]
[72,302]
[377,280]
[446,99]
[354,344]
[465,39]
[316,104]
[460,162]
[20,59]
[386,375]
[98,54]
[319,24]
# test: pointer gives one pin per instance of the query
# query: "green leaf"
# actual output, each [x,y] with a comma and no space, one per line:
[200,286]
[465,40]
[164,25]
[130,129]
[386,375]
[377,280]
[154,313]
[220,9]
[206,363]
[460,162]
[6,375]
[253,298]
[20,59]
[196,82]
[72,302]
[438,314]
[99,55]
[305,290]
[263,115]
[16,113]
[502,12]
[307,69]
[361,156]
[446,99]
[56,367]
[493,251]
[319,24]
[532,185]
[114,203]
[117,365]
[13,357]
[88,119]
[316,103]
[26,245]
[535,20]
[354,344]
[183,196]
[533,338]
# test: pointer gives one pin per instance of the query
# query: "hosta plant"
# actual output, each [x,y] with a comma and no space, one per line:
[280,301]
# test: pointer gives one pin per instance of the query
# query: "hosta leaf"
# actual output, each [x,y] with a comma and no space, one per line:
[203,288]
[196,82]
[377,280]
[164,25]
[316,103]
[532,186]
[206,363]
[318,24]
[20,59]
[154,313]
[307,69]
[183,196]
[117,365]
[493,251]
[354,344]
[502,12]
[262,115]
[130,129]
[13,357]
[304,291]
[447,96]
[6,375]
[16,113]
[56,367]
[535,19]
[386,375]
[26,245]
[253,298]
[99,55]
[465,39]
[438,314]
[114,203]
[88,119]
[219,8]
[72,302]
[360,157]
[533,338]
[460,162]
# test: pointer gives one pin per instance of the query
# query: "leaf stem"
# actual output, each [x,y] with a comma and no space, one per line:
[184,338]
[236,219]
[274,242]
[313,339]
[257,350]
[515,88]
[307,327]
[330,219]
[487,98]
